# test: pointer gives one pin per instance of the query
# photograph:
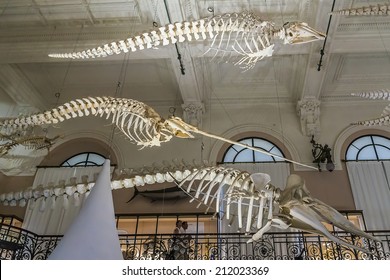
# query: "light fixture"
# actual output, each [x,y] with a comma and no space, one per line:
[321,154]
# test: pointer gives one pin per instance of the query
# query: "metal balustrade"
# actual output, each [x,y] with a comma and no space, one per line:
[20,244]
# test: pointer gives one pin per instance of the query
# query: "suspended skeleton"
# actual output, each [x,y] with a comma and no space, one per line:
[372,10]
[384,119]
[22,152]
[138,122]
[243,34]
[249,198]
[8,144]
[128,178]
[261,205]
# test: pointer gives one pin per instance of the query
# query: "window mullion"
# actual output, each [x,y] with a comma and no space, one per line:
[373,144]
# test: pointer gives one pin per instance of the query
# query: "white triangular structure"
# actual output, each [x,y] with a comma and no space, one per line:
[93,234]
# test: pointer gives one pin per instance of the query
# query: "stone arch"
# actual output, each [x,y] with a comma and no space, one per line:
[77,143]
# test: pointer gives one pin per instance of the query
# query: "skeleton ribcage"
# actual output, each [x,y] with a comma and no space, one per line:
[139,122]
[242,39]
[239,38]
[227,189]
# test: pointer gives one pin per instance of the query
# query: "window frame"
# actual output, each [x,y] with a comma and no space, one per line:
[372,143]
[253,138]
[86,161]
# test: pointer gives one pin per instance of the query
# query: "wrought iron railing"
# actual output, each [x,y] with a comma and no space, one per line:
[17,243]
[273,246]
[20,244]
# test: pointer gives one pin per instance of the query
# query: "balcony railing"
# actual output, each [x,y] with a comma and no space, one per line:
[20,244]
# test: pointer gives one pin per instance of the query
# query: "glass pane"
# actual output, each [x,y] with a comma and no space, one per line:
[383,152]
[361,142]
[351,153]
[246,141]
[382,147]
[275,150]
[77,159]
[245,156]
[263,144]
[166,224]
[279,159]
[381,140]
[230,155]
[239,148]
[206,224]
[97,159]
[80,160]
[367,153]
[127,225]
[262,157]
[147,225]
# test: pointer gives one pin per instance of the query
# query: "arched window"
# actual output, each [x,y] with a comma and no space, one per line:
[84,159]
[369,147]
[237,154]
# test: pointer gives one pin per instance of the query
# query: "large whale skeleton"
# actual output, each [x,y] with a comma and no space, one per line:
[261,205]
[241,38]
[140,123]
[244,34]
[250,200]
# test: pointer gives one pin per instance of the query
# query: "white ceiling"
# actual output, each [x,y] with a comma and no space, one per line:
[357,55]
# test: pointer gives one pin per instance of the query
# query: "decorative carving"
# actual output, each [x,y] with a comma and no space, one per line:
[308,110]
[193,113]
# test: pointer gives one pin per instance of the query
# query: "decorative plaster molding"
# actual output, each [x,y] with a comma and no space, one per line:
[104,138]
[308,110]
[193,113]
